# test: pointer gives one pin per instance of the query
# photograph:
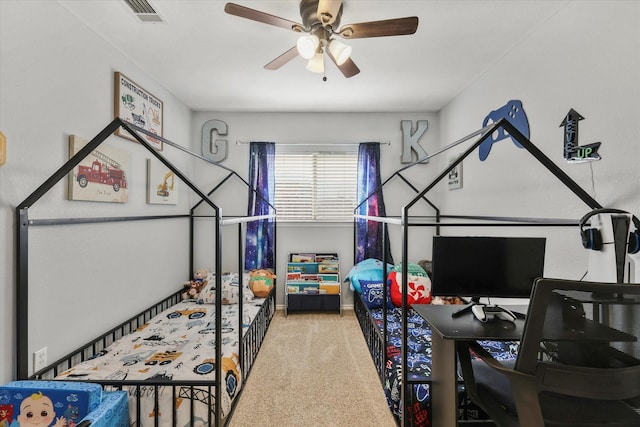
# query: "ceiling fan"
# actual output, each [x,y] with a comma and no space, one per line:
[319,28]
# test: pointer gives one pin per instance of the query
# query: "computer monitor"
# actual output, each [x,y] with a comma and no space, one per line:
[478,267]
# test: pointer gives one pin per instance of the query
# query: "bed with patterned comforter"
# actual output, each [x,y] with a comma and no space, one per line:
[419,365]
[176,344]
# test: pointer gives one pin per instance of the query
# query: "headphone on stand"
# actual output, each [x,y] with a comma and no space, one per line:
[592,238]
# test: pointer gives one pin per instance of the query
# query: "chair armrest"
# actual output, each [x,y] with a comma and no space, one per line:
[487,358]
[464,356]
[523,386]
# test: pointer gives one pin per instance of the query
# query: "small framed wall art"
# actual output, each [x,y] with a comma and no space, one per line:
[135,105]
[101,176]
[162,187]
[455,175]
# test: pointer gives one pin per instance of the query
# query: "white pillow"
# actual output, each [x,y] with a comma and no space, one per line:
[229,289]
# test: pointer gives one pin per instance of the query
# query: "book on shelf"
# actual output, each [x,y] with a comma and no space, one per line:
[326,258]
[328,268]
[302,258]
[294,275]
[328,278]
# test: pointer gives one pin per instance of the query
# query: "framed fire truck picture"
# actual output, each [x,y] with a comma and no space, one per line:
[162,185]
[135,105]
[101,176]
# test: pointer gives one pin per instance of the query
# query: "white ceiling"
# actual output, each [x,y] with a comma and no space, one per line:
[213,61]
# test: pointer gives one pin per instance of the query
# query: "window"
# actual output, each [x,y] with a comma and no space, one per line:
[315,185]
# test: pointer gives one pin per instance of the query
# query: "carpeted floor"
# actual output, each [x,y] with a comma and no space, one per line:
[314,369]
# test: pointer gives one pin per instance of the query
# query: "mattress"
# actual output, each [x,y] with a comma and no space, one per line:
[177,344]
[419,364]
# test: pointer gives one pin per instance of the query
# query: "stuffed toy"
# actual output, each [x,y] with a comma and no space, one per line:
[418,285]
[261,282]
[369,269]
[193,287]
[447,300]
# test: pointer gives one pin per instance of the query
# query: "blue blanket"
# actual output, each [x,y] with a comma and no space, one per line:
[419,366]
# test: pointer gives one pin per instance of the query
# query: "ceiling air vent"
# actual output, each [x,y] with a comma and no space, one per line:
[144,11]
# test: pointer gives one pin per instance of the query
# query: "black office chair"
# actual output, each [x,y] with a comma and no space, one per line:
[578,362]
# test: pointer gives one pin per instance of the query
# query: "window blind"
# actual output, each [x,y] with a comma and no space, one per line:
[315,186]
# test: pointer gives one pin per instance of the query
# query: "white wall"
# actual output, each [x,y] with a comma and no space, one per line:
[56,79]
[587,57]
[328,128]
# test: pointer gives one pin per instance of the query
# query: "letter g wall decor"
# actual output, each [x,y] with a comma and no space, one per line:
[214,150]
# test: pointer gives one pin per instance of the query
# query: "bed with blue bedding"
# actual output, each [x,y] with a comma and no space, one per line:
[387,353]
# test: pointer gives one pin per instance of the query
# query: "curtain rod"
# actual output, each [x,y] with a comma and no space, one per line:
[303,144]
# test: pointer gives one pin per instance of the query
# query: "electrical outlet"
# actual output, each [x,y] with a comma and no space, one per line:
[40,359]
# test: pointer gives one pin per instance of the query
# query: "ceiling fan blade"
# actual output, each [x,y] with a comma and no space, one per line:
[256,15]
[388,27]
[282,59]
[348,68]
[328,11]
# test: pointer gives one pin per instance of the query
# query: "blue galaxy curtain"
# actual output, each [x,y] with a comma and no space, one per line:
[369,233]
[259,245]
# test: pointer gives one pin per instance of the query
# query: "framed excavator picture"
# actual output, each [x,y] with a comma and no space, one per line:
[162,187]
[101,176]
[135,105]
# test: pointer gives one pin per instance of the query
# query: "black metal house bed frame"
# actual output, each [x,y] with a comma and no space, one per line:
[377,339]
[205,391]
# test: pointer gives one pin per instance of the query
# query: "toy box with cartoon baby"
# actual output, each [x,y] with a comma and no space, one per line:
[61,404]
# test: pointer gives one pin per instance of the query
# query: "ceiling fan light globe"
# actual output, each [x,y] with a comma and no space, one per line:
[316,64]
[340,51]
[308,45]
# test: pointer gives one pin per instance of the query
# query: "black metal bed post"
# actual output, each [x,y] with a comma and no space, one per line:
[274,260]
[240,302]
[22,241]
[485,132]
[275,247]
[405,267]
[385,297]
[23,223]
[403,352]
[355,238]
[22,294]
[192,241]
[218,264]
[218,278]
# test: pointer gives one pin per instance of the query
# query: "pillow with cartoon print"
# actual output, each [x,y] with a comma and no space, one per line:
[230,290]
[368,270]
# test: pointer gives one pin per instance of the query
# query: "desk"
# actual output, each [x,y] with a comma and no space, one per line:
[445,331]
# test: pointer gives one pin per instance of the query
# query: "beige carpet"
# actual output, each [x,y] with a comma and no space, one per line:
[314,369]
